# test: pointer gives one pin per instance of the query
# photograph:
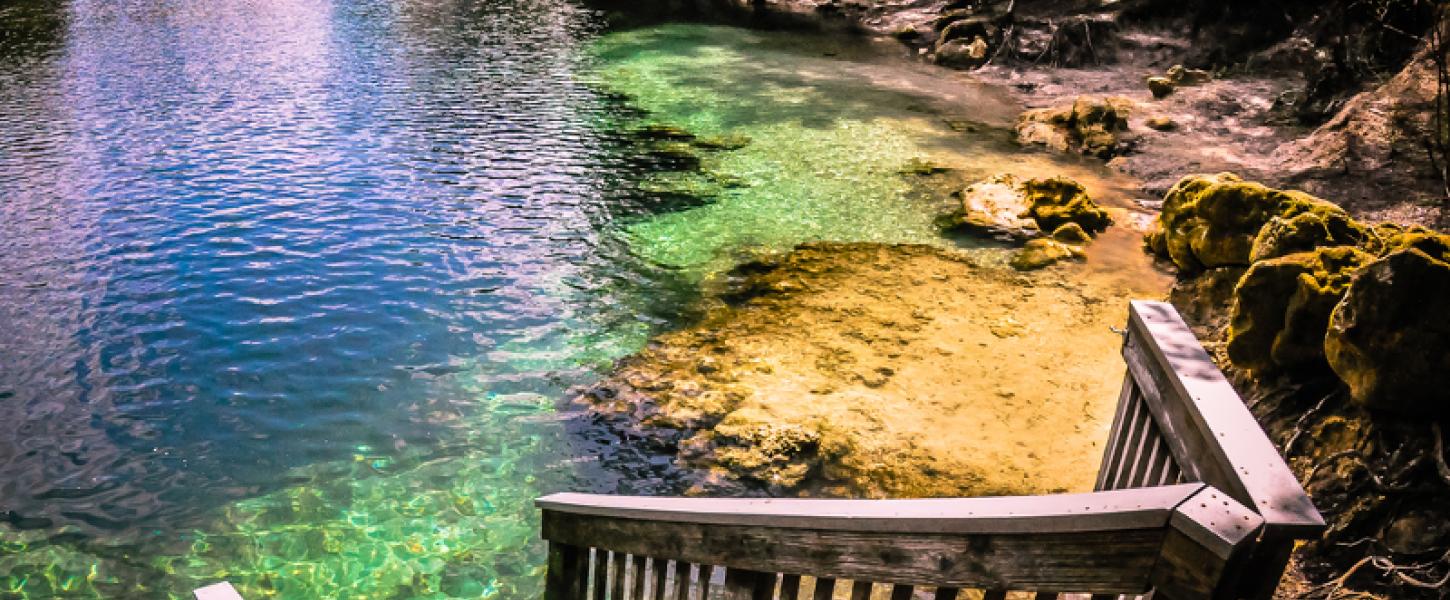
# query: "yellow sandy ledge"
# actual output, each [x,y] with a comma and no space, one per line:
[876,370]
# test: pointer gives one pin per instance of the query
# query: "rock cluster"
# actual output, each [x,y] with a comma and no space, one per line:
[1022,211]
[1177,76]
[1319,290]
[1091,125]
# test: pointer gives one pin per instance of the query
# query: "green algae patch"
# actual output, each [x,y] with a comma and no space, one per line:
[814,153]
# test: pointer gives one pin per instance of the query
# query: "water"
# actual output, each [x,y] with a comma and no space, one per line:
[290,290]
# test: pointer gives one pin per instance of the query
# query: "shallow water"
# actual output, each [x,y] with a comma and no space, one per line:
[289,291]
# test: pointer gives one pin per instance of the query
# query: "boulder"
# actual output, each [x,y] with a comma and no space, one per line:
[997,206]
[1058,201]
[1161,87]
[962,53]
[1042,252]
[1212,221]
[1092,125]
[1282,305]
[1321,225]
[1387,338]
[1180,75]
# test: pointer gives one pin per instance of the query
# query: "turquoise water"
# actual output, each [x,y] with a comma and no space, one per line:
[291,291]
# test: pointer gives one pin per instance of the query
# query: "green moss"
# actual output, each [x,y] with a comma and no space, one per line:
[1321,224]
[1213,221]
[1387,338]
[1058,201]
[1282,306]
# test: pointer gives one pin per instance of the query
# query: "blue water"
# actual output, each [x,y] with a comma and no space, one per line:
[291,290]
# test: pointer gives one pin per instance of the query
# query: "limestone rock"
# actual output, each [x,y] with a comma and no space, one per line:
[1040,253]
[1092,125]
[1058,201]
[1282,306]
[1387,338]
[1213,220]
[1071,233]
[996,206]
[1321,226]
[1161,87]
[1161,123]
[1180,75]
[962,53]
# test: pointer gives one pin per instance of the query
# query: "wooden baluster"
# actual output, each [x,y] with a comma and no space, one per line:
[601,572]
[564,580]
[742,584]
[616,585]
[702,588]
[790,587]
[901,592]
[825,588]
[637,565]
[994,594]
[662,570]
[860,590]
[682,580]
[945,593]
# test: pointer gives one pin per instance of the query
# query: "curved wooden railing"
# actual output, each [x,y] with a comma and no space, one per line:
[1193,502]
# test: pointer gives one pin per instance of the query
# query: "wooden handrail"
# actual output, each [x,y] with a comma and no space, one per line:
[1117,542]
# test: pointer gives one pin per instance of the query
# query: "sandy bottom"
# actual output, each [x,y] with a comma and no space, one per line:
[889,370]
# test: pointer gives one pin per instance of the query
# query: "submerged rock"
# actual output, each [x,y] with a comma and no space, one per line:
[1282,306]
[1041,253]
[729,141]
[1387,339]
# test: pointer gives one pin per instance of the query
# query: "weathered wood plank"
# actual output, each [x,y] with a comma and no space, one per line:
[825,588]
[790,586]
[1060,513]
[1247,464]
[1212,534]
[1107,561]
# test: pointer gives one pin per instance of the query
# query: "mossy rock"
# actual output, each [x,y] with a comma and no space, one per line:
[1319,226]
[996,207]
[1282,305]
[1161,87]
[1041,253]
[1181,75]
[1092,125]
[1058,201]
[1388,338]
[1071,233]
[1161,123]
[1213,221]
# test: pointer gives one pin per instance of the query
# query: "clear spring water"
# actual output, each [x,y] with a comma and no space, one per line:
[290,289]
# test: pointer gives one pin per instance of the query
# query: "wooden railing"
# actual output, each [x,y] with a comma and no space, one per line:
[1193,501]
